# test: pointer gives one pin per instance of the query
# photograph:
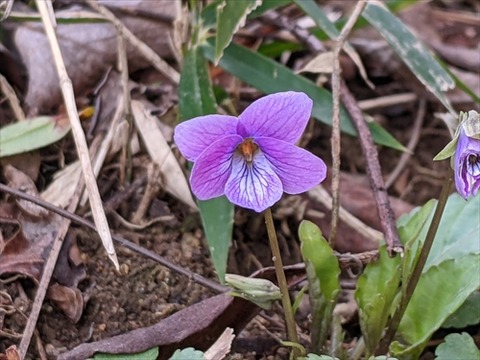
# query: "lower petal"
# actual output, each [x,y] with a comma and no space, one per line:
[212,168]
[253,185]
[298,169]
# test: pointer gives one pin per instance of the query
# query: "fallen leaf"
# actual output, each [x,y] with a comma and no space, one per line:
[19,181]
[88,49]
[195,326]
[160,152]
[69,300]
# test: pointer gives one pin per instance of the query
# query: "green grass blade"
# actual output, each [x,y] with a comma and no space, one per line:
[270,77]
[230,16]
[415,55]
[196,98]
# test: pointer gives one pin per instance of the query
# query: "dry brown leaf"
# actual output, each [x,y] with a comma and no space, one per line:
[322,63]
[69,300]
[19,181]
[356,197]
[221,347]
[25,251]
[195,326]
[160,152]
[88,50]
[10,354]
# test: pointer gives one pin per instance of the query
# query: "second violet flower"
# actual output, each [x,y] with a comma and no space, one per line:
[252,159]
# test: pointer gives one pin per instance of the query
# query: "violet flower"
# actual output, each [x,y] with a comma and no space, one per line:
[252,158]
[467,164]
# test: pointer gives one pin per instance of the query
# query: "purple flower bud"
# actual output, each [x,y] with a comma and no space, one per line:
[467,164]
[252,159]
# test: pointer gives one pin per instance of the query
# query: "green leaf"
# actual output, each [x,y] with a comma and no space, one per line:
[457,346]
[412,230]
[231,16]
[317,357]
[439,293]
[323,274]
[209,12]
[453,239]
[196,98]
[376,290]
[195,94]
[276,48]
[268,5]
[32,134]
[188,354]
[150,354]
[458,229]
[468,314]
[270,77]
[415,55]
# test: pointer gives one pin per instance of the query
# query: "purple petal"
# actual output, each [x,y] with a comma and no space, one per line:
[282,116]
[253,185]
[298,169]
[213,167]
[467,165]
[194,136]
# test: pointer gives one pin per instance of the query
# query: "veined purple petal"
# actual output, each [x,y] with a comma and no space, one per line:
[467,165]
[282,116]
[194,136]
[253,185]
[298,169]
[213,167]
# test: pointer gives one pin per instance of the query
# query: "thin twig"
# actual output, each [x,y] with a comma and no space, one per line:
[128,244]
[80,141]
[139,45]
[374,172]
[412,143]
[126,154]
[417,270]
[47,274]
[335,140]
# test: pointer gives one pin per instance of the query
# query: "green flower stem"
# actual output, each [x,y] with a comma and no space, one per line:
[282,281]
[417,271]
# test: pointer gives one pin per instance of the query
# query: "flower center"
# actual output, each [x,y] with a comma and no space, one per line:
[247,148]
[473,165]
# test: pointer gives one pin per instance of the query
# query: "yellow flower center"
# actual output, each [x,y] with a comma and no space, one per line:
[247,148]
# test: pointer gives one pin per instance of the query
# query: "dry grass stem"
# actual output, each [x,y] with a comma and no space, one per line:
[159,64]
[388,100]
[47,274]
[412,143]
[335,140]
[8,91]
[320,194]
[79,137]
